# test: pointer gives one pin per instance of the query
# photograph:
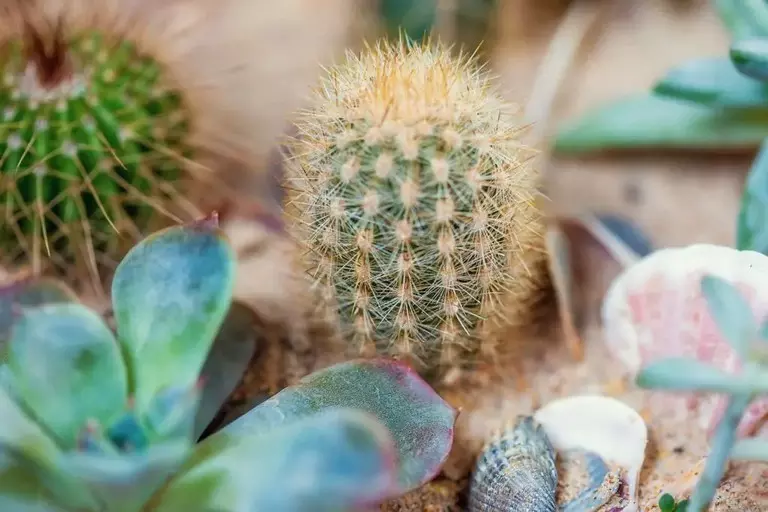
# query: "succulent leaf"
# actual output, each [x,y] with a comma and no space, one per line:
[170,296]
[28,292]
[683,374]
[752,229]
[22,490]
[743,18]
[232,351]
[336,460]
[731,312]
[750,56]
[413,18]
[420,422]
[66,366]
[126,481]
[713,82]
[649,121]
[171,414]
[755,449]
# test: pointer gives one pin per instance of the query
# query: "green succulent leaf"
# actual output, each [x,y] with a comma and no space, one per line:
[126,481]
[650,121]
[731,312]
[171,414]
[750,56]
[752,228]
[667,503]
[713,82]
[683,374]
[420,422]
[25,293]
[743,18]
[170,296]
[66,366]
[753,449]
[332,461]
[232,351]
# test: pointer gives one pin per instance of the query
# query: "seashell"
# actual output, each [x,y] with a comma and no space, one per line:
[516,472]
[655,309]
[606,431]
[601,485]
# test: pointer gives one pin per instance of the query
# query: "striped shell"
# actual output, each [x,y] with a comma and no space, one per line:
[516,472]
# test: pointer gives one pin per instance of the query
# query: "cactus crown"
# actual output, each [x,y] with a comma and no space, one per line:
[415,198]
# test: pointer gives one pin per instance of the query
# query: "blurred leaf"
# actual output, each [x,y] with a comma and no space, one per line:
[751,58]
[420,422]
[683,374]
[414,17]
[29,292]
[170,295]
[754,449]
[227,362]
[743,18]
[21,490]
[67,367]
[731,312]
[171,413]
[713,82]
[653,122]
[126,481]
[752,229]
[333,461]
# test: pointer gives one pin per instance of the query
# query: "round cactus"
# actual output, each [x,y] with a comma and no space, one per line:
[417,203]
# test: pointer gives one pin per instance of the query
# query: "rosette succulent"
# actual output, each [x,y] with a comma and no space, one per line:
[96,420]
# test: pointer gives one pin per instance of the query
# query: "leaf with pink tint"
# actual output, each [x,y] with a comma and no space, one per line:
[656,310]
[420,422]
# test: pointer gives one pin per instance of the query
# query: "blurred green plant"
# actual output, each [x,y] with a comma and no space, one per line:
[749,339]
[94,421]
[703,103]
[667,504]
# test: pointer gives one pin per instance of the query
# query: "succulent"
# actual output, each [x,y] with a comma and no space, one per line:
[667,503]
[101,421]
[416,202]
[749,339]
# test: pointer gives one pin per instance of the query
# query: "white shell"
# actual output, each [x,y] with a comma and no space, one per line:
[655,309]
[602,425]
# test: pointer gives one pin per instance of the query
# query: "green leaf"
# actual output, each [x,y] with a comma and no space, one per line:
[171,414]
[743,18]
[667,503]
[731,312]
[21,488]
[66,366]
[750,57]
[420,422]
[227,362]
[414,17]
[126,481]
[28,292]
[752,449]
[752,228]
[683,374]
[335,460]
[713,82]
[649,121]
[170,296]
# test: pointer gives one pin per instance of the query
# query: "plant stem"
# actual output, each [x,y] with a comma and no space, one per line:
[717,461]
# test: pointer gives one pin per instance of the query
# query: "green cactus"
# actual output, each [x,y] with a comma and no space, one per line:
[92,138]
[94,422]
[417,203]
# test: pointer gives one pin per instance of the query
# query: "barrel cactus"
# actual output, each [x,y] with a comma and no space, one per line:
[417,203]
[94,422]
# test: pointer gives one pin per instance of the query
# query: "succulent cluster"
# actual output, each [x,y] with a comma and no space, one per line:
[667,503]
[417,202]
[732,314]
[101,421]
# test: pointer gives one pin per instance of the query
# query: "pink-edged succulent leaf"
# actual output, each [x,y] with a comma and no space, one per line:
[336,460]
[170,295]
[232,351]
[420,422]
[66,366]
[28,292]
[657,310]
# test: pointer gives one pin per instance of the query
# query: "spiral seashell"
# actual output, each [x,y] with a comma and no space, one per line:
[516,472]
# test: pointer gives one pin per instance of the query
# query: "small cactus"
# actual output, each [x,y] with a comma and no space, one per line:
[417,203]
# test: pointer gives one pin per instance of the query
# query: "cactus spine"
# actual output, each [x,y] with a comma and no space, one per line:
[417,203]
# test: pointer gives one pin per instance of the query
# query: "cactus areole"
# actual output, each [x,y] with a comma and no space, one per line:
[92,139]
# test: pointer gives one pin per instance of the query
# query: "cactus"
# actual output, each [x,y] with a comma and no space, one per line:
[417,203]
[94,422]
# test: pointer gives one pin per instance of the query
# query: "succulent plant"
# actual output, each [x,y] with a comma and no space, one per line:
[416,202]
[667,503]
[100,131]
[101,421]
[749,339]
